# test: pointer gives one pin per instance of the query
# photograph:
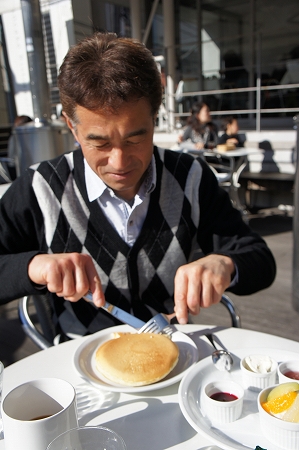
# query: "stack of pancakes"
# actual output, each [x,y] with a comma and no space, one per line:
[137,359]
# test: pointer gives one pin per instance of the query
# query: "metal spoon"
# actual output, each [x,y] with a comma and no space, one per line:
[222,359]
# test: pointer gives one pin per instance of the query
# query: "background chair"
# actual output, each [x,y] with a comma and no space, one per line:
[223,168]
[221,165]
[35,314]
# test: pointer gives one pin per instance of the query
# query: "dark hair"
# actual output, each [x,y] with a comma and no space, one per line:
[103,71]
[193,120]
[228,121]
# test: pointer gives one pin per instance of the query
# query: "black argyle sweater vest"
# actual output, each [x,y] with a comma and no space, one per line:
[139,279]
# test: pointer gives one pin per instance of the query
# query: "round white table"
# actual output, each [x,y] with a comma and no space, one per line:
[149,420]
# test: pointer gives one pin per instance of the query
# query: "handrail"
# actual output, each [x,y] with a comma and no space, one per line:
[258,111]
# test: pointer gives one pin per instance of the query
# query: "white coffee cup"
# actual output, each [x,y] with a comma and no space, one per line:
[38,411]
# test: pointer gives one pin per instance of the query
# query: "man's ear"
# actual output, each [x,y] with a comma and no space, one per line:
[70,124]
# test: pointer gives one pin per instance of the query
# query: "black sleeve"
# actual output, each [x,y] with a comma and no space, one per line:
[222,230]
[21,238]
[222,139]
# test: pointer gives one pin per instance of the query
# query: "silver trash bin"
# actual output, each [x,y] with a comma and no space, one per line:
[36,141]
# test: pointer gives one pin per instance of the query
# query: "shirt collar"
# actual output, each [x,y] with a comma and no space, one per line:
[95,186]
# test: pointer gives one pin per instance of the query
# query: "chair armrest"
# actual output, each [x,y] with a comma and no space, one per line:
[28,326]
[229,304]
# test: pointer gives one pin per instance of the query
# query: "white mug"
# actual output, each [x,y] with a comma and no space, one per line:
[38,411]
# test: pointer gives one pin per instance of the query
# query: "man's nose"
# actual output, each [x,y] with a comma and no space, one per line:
[118,158]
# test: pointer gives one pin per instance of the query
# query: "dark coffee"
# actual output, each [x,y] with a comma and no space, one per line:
[223,397]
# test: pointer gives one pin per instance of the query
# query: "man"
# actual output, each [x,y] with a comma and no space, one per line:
[120,217]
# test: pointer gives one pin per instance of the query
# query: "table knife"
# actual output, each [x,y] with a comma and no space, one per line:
[118,313]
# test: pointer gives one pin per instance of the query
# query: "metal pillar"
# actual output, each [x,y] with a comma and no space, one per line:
[296,227]
[135,7]
[7,77]
[36,60]
[199,40]
[42,139]
[150,22]
[169,45]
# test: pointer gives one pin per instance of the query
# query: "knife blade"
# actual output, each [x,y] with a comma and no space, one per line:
[118,313]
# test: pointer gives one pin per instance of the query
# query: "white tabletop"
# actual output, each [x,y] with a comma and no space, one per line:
[149,420]
[241,151]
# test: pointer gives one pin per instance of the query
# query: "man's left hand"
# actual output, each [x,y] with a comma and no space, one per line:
[201,284]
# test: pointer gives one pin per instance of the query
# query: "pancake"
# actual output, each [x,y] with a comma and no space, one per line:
[137,359]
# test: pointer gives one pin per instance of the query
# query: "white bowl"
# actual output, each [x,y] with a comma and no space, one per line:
[279,432]
[285,367]
[258,381]
[222,411]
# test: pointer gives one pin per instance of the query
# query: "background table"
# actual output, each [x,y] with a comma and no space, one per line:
[238,160]
[147,421]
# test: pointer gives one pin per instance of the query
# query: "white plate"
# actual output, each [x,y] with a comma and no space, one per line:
[85,362]
[244,433]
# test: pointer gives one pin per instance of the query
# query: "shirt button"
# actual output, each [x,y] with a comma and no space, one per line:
[131,222]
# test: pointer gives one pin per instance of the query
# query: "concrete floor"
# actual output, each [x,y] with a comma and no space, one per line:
[269,311]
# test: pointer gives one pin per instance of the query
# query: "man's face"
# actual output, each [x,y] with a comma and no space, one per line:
[117,146]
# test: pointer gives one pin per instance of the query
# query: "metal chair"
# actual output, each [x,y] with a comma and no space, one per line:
[37,309]
[223,168]
[221,165]
[44,334]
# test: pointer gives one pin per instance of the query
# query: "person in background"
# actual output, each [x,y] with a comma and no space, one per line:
[230,136]
[200,129]
[120,217]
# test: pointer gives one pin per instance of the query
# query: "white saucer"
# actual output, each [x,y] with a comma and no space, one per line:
[85,362]
[244,433]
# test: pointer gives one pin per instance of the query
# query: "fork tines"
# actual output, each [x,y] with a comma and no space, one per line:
[157,324]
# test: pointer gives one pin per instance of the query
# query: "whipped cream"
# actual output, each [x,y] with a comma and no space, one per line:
[259,363]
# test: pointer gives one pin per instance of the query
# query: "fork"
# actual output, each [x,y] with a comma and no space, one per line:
[160,323]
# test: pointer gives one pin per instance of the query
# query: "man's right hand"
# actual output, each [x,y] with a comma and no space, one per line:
[68,275]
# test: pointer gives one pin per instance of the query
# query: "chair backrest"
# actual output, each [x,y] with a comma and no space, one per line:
[45,337]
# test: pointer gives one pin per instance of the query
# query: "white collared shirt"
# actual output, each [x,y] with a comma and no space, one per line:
[126,218]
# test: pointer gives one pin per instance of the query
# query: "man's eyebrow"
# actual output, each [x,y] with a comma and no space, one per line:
[96,137]
[139,132]
[99,137]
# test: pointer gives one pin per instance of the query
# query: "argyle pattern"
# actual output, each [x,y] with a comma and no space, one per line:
[140,278]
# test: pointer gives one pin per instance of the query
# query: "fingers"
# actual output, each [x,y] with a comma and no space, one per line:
[97,291]
[201,284]
[180,299]
[68,275]
[187,292]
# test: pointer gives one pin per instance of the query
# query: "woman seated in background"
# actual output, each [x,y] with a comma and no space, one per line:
[200,130]
[230,136]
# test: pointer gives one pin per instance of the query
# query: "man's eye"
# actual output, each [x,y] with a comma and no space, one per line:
[103,145]
[133,141]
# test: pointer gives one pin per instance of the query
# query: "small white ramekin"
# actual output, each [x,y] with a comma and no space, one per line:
[285,367]
[279,432]
[257,381]
[222,412]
